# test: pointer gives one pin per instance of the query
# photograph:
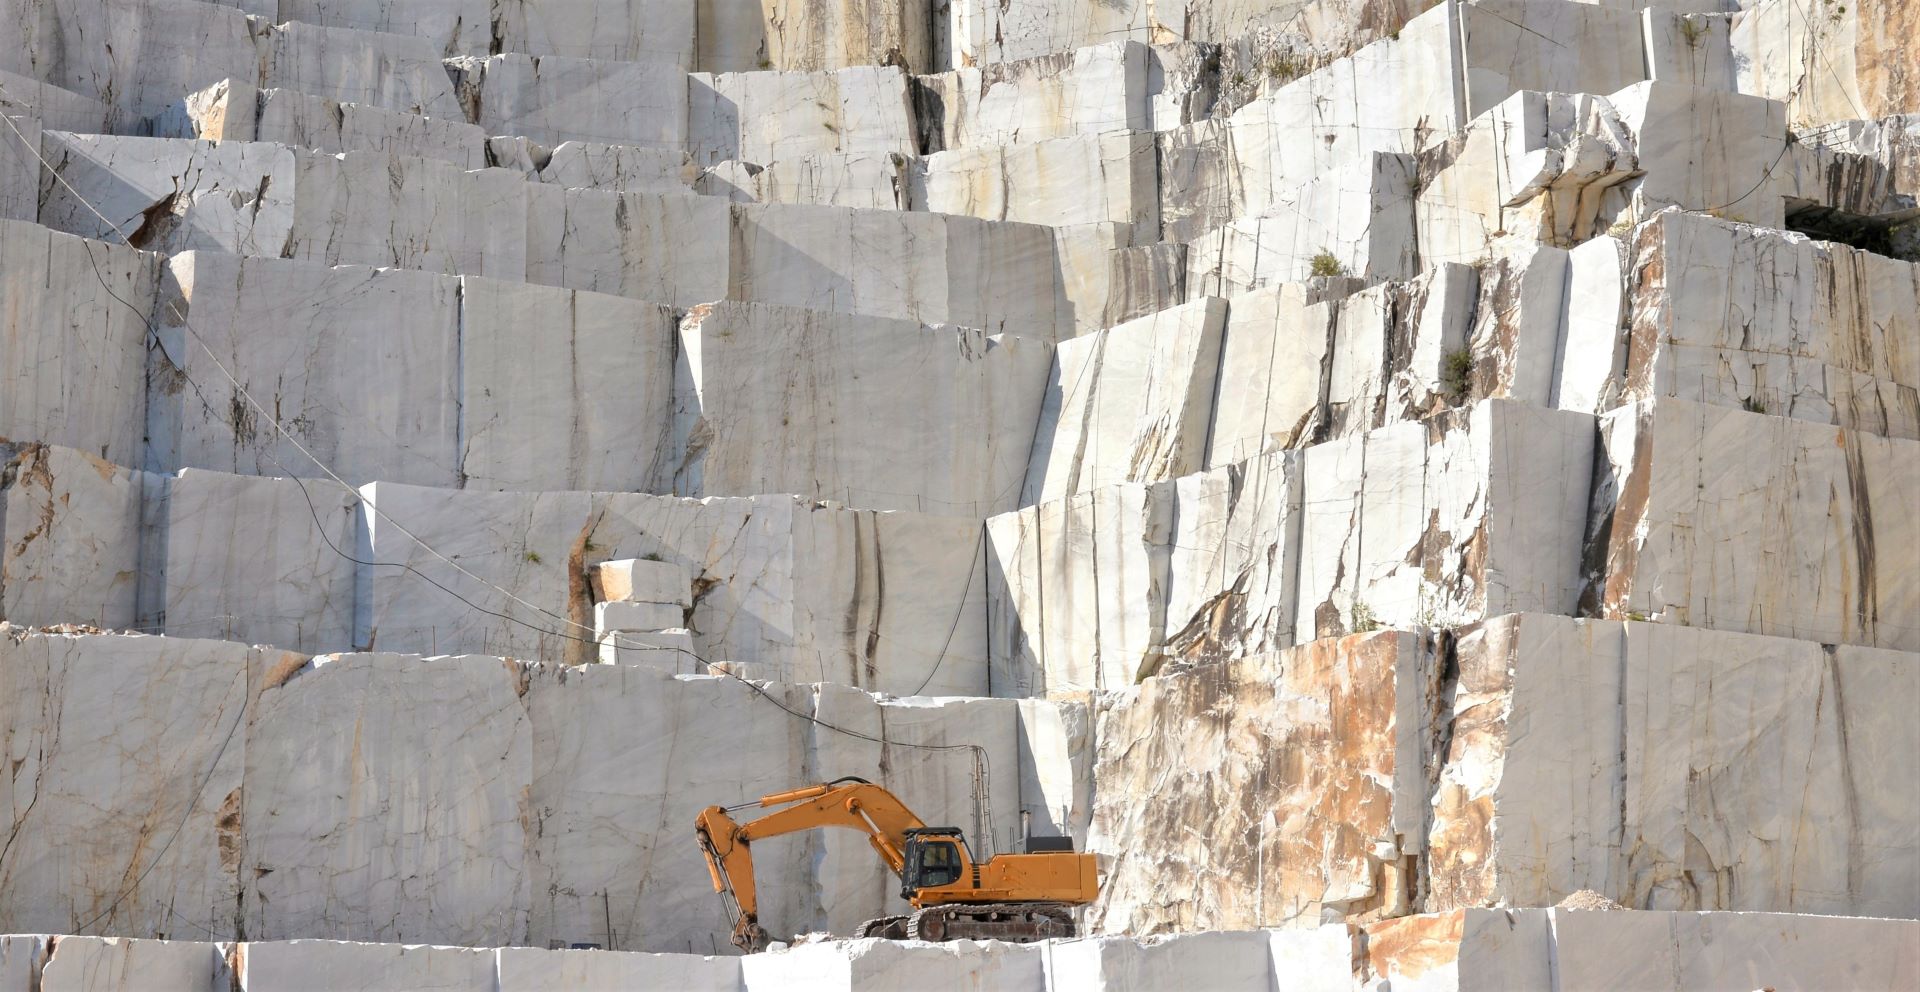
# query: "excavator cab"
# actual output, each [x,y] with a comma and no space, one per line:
[935,857]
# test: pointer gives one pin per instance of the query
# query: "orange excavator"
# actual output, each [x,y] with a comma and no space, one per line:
[1012,897]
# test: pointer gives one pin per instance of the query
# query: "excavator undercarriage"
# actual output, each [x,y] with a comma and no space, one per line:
[1013,922]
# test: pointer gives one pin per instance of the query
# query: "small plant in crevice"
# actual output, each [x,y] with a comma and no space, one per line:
[1456,372]
[1753,404]
[1692,30]
[1636,616]
[1284,67]
[1325,264]
[533,557]
[1239,80]
[1621,227]
[652,556]
[1363,619]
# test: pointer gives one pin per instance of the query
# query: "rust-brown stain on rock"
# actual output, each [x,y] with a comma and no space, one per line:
[229,828]
[1412,946]
[1292,755]
[1883,57]
[283,670]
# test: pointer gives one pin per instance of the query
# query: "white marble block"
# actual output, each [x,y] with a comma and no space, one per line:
[1357,220]
[1482,519]
[621,615]
[250,559]
[552,99]
[72,356]
[1705,149]
[70,537]
[562,389]
[349,66]
[1771,322]
[1548,167]
[170,195]
[450,27]
[19,167]
[1694,769]
[662,31]
[135,56]
[1386,97]
[238,110]
[621,168]
[97,847]
[1269,386]
[289,964]
[1511,45]
[1837,65]
[662,247]
[1223,960]
[763,117]
[423,214]
[369,394]
[1714,517]
[55,108]
[531,969]
[370,841]
[641,580]
[846,966]
[1076,590]
[121,964]
[1129,404]
[669,651]
[874,412]
[1233,560]
[1082,179]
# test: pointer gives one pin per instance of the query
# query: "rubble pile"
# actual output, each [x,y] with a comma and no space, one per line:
[1428,494]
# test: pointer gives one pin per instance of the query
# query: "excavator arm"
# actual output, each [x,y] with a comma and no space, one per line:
[852,803]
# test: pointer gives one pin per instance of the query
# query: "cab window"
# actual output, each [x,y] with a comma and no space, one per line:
[939,864]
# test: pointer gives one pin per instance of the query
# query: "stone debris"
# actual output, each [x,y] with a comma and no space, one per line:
[1387,480]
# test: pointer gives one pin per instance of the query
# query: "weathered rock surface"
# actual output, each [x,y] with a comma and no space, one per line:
[1312,760]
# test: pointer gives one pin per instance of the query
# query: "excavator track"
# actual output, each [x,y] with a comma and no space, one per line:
[1015,923]
[884,927]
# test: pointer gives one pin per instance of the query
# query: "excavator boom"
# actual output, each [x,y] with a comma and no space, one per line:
[1013,896]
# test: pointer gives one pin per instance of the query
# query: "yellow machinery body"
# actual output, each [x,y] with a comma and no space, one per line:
[1006,897]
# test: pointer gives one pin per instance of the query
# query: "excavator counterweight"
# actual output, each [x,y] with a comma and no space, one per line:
[1011,897]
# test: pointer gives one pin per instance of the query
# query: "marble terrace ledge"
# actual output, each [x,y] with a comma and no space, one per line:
[1556,950]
